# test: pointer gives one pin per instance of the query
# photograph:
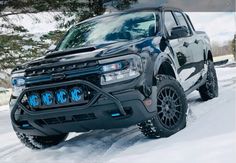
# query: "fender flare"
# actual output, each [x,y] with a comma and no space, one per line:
[164,57]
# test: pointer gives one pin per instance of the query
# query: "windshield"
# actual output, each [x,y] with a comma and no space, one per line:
[128,26]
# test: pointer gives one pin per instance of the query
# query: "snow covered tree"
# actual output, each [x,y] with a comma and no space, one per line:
[16,49]
[20,46]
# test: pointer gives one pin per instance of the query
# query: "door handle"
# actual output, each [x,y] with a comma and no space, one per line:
[196,41]
[186,44]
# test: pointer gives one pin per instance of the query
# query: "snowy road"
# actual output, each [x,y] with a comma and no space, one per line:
[210,136]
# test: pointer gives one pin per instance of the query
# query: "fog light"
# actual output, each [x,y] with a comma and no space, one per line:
[76,94]
[34,100]
[61,96]
[47,98]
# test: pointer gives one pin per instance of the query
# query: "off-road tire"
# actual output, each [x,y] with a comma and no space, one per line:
[156,127]
[40,142]
[210,89]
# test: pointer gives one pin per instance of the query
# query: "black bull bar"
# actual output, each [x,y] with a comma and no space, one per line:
[99,92]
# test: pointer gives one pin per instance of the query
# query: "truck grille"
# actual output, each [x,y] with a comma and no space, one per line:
[48,69]
[44,74]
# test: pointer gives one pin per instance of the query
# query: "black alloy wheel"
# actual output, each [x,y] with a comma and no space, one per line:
[168,107]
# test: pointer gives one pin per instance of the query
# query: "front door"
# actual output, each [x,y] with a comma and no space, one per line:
[182,51]
[194,50]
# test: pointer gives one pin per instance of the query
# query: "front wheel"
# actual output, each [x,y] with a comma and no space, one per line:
[40,142]
[171,109]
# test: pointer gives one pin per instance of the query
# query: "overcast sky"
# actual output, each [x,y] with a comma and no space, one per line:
[220,26]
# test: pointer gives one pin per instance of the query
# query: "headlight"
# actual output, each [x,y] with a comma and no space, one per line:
[121,69]
[18,83]
[113,67]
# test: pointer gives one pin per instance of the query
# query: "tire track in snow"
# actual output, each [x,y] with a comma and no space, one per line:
[98,145]
[10,149]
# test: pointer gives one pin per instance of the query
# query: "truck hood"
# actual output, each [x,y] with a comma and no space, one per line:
[98,51]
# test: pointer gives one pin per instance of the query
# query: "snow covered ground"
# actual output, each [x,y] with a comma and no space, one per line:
[210,137]
[4,96]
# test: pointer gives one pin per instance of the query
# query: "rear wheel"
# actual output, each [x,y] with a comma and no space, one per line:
[171,109]
[40,142]
[210,89]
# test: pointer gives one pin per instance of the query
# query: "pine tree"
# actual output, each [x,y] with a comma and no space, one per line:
[18,48]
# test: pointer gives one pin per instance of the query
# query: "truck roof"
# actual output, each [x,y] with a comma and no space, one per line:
[160,8]
[140,9]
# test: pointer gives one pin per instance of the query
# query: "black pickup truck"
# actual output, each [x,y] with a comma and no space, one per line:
[114,71]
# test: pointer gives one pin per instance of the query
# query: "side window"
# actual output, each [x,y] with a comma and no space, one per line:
[182,21]
[190,22]
[169,22]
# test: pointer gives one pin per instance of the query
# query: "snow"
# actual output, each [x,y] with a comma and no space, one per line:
[27,47]
[43,22]
[209,137]
[36,24]
[2,76]
[4,96]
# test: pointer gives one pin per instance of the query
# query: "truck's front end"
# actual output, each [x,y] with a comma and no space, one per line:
[98,77]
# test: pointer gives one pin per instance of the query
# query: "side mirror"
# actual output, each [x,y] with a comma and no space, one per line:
[179,32]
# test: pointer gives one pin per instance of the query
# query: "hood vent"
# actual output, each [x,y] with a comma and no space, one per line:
[68,52]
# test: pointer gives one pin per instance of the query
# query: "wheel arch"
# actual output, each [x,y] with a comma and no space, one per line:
[164,66]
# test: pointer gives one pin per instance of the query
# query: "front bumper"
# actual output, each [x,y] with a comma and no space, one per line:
[104,111]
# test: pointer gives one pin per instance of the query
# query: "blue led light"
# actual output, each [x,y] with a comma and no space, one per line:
[115,114]
[47,98]
[75,94]
[61,96]
[34,100]
[25,125]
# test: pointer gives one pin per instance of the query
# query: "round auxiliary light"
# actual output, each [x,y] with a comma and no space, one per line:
[61,96]
[75,94]
[34,100]
[47,98]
